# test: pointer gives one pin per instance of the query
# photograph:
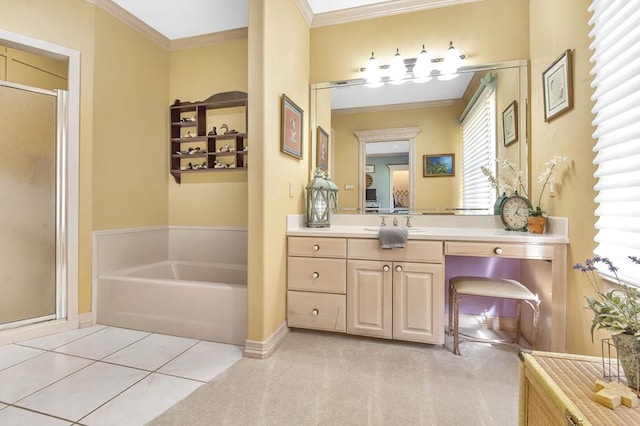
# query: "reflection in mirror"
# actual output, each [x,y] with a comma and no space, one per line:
[421,119]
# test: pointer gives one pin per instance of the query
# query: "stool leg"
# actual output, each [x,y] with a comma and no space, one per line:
[536,315]
[450,307]
[456,324]
[518,316]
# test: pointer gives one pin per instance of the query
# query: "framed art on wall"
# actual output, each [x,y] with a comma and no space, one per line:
[292,120]
[438,165]
[557,87]
[510,123]
[322,150]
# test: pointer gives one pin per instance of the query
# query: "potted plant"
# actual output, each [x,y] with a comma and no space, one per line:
[617,311]
[513,183]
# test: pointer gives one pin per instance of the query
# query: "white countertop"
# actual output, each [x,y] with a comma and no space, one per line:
[433,227]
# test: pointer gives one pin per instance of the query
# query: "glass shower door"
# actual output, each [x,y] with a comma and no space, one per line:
[28,227]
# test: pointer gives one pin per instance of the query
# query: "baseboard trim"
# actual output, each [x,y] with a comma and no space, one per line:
[263,349]
[86,320]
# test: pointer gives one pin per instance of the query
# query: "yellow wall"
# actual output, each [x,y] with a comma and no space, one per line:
[440,135]
[19,66]
[195,74]
[569,134]
[278,63]
[130,160]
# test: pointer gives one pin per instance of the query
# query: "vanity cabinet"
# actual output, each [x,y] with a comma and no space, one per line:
[351,285]
[316,283]
[193,146]
[399,294]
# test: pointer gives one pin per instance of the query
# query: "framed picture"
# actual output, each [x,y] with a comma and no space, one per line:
[322,150]
[439,165]
[510,123]
[370,168]
[292,117]
[557,87]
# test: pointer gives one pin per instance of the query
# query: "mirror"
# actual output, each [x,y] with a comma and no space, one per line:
[384,141]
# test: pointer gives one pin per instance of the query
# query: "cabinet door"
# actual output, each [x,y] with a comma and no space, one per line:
[418,294]
[369,293]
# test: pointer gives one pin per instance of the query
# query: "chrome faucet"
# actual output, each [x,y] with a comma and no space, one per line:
[408,221]
[383,223]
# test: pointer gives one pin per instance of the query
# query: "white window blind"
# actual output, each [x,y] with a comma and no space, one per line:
[479,149]
[616,79]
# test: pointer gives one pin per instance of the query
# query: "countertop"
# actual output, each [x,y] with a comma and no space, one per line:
[443,228]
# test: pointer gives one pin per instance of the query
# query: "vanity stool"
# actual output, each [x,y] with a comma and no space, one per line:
[490,287]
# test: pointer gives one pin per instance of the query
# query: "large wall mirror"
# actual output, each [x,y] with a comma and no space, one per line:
[399,148]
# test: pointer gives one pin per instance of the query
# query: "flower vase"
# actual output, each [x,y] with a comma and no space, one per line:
[628,348]
[537,224]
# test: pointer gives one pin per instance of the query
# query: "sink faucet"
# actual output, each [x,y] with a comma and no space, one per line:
[383,223]
[408,221]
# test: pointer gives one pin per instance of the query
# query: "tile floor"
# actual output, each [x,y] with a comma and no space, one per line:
[103,376]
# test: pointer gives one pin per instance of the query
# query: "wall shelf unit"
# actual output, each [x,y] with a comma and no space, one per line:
[194,148]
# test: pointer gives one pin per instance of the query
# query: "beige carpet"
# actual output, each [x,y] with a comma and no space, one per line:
[331,379]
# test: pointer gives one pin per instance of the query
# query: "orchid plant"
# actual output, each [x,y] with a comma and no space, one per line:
[512,181]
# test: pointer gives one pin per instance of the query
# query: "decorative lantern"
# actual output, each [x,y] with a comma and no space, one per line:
[318,191]
[333,195]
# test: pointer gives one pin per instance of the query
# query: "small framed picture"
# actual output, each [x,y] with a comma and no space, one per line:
[322,150]
[292,120]
[510,123]
[370,168]
[557,87]
[439,165]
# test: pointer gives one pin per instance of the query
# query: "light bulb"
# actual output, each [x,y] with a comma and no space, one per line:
[397,69]
[372,73]
[422,67]
[450,64]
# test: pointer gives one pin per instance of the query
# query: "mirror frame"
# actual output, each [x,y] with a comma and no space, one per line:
[523,129]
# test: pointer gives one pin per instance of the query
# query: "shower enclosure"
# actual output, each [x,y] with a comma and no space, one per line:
[32,205]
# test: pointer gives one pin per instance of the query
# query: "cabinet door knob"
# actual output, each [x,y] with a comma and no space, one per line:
[497,250]
[399,268]
[316,275]
[316,247]
[385,268]
[315,312]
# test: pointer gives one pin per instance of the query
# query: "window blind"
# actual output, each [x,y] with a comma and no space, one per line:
[479,149]
[615,74]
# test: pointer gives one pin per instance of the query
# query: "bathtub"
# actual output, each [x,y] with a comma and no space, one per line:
[204,301]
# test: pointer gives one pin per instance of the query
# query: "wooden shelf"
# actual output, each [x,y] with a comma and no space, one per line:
[198,110]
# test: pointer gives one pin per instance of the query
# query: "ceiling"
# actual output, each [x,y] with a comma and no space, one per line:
[179,19]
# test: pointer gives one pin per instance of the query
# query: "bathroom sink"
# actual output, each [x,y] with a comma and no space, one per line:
[411,230]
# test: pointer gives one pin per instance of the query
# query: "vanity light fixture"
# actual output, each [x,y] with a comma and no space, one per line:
[397,69]
[372,73]
[421,69]
[452,61]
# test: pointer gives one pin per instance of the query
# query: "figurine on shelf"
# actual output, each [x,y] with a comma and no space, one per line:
[195,150]
[188,119]
[217,164]
[224,148]
[176,102]
[246,148]
[188,135]
[213,132]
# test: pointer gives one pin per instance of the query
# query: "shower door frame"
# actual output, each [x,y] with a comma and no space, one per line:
[69,186]
[60,211]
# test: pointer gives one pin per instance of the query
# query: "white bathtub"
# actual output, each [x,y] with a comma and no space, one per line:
[205,301]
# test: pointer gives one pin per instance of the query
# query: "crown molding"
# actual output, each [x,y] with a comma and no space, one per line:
[208,39]
[305,10]
[135,23]
[380,10]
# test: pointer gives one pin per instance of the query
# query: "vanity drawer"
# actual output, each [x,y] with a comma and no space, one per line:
[519,251]
[321,275]
[317,311]
[415,251]
[317,247]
